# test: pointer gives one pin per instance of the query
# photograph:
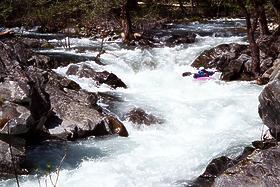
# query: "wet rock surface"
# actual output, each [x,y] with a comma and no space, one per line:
[7,170]
[270,44]
[261,168]
[232,60]
[37,104]
[103,77]
[258,166]
[219,166]
[181,38]
[235,62]
[210,58]
[139,116]
[269,107]
[58,59]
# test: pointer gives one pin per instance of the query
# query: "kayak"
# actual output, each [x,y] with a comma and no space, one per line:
[204,78]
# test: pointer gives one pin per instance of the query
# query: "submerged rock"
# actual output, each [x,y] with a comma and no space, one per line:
[116,127]
[103,77]
[185,74]
[183,38]
[139,116]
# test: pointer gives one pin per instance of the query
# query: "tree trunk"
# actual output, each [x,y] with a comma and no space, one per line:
[276,7]
[251,28]
[132,4]
[126,23]
[184,11]
[263,22]
[259,7]
[192,6]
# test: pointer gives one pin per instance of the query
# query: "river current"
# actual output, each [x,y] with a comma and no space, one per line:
[202,119]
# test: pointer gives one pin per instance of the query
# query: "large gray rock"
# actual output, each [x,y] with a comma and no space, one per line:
[217,167]
[275,74]
[233,60]
[11,163]
[269,107]
[37,104]
[272,73]
[76,113]
[270,44]
[261,168]
[210,58]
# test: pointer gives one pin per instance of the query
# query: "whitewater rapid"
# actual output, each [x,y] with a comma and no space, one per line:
[202,120]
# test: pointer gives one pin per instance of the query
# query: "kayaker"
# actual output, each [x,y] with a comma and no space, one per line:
[203,73]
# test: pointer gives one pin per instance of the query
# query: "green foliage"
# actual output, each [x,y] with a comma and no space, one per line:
[52,14]
[55,15]
[5,10]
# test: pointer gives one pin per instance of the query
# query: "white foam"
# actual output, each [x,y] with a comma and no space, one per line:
[203,119]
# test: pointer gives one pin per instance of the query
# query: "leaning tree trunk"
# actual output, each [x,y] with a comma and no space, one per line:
[126,23]
[251,28]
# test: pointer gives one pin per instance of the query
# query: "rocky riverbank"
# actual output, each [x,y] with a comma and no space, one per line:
[235,63]
[37,104]
[258,165]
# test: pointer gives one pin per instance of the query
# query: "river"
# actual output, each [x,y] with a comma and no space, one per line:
[202,119]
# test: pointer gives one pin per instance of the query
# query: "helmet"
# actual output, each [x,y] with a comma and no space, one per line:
[201,68]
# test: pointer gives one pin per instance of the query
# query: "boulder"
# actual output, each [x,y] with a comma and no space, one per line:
[116,127]
[215,168]
[266,64]
[269,107]
[77,114]
[62,83]
[270,44]
[58,59]
[139,116]
[37,104]
[261,168]
[185,74]
[184,38]
[272,73]
[211,58]
[103,77]
[275,74]
[219,166]
[37,43]
[240,68]
[11,160]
